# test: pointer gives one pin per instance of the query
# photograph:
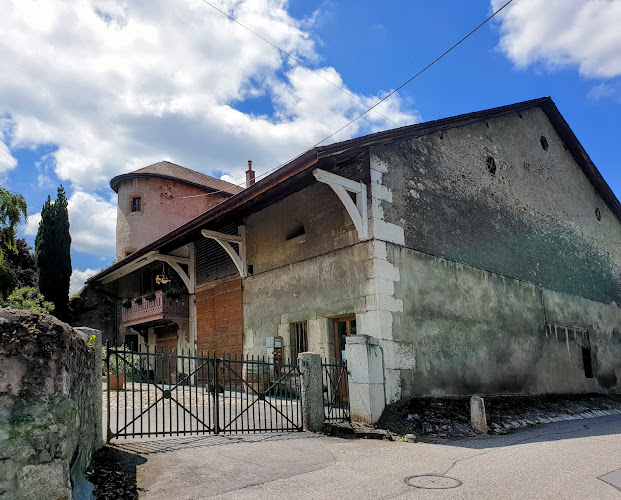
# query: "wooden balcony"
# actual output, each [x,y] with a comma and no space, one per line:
[158,310]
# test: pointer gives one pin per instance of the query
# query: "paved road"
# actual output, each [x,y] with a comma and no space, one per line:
[566,460]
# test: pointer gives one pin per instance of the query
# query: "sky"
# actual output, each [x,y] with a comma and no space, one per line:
[94,88]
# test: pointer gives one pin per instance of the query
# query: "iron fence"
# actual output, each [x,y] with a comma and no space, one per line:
[335,391]
[166,393]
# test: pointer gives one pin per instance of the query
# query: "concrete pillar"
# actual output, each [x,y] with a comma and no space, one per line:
[478,420]
[366,378]
[312,391]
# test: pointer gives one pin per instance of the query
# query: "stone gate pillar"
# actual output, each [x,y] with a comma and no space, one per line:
[366,378]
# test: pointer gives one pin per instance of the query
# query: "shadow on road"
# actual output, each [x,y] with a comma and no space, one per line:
[163,445]
[569,429]
[113,472]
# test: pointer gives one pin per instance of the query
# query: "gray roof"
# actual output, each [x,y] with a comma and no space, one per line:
[172,171]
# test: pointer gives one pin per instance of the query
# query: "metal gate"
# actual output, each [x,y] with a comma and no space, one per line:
[159,393]
[335,391]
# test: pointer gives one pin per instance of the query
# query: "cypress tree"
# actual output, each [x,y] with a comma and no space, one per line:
[53,253]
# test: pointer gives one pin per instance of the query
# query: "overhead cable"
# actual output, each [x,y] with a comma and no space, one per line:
[441,56]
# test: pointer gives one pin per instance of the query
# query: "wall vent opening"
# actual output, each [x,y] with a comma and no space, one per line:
[587,362]
[544,143]
[491,165]
[598,214]
[295,232]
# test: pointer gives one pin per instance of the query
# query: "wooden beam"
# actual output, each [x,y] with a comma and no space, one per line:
[328,177]
[225,240]
[342,187]
[221,236]
[173,260]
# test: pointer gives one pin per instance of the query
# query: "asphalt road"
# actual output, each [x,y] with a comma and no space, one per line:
[579,459]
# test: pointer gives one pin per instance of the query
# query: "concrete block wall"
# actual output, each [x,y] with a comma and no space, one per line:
[50,404]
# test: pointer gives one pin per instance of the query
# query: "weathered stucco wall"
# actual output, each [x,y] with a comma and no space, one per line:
[271,233]
[313,290]
[533,219]
[50,404]
[162,210]
[472,331]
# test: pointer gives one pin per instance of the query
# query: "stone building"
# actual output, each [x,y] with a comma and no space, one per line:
[152,201]
[475,254]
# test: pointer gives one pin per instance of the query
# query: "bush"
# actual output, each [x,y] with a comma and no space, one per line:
[28,298]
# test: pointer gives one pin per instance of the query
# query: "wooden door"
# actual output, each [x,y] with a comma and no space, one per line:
[166,342]
[343,328]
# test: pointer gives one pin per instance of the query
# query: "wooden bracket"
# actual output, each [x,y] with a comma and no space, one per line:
[174,262]
[342,187]
[225,240]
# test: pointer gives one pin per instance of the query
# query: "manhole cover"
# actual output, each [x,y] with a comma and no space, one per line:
[431,482]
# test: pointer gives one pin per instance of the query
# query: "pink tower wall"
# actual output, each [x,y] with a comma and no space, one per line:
[162,210]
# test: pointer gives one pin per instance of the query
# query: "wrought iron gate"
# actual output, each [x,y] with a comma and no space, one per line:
[171,394]
[335,391]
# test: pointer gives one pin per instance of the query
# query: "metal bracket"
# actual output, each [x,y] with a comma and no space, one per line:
[225,240]
[342,187]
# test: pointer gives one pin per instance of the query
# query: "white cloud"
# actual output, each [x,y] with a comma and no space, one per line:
[30,228]
[117,85]
[582,33]
[7,161]
[78,278]
[92,224]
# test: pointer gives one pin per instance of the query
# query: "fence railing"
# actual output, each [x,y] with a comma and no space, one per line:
[335,391]
[166,393]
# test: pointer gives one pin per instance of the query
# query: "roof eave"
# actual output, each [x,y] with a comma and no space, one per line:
[301,163]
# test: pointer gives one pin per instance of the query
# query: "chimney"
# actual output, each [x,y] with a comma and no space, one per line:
[249,175]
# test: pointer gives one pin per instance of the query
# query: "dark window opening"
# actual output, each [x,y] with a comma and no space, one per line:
[544,143]
[587,362]
[131,342]
[295,232]
[136,204]
[491,165]
[598,214]
[299,339]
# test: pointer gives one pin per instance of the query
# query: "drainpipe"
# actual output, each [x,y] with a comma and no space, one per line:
[249,175]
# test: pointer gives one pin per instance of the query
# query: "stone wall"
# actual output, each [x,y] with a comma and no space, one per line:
[95,309]
[50,404]
[531,215]
[466,331]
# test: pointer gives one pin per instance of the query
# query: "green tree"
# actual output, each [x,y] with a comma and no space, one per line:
[53,253]
[28,298]
[12,208]
[22,263]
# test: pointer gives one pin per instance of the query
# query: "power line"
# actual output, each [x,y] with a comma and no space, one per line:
[417,74]
[297,60]
[446,52]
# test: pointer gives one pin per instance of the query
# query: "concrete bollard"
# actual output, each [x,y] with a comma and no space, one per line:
[312,391]
[478,420]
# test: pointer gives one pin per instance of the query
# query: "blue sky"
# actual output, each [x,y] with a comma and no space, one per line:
[101,87]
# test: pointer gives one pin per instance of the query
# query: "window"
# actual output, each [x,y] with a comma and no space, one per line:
[299,339]
[136,205]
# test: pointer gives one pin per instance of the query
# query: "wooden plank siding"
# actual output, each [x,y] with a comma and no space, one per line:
[219,317]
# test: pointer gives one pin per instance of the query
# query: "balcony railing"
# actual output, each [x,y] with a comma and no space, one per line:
[159,308]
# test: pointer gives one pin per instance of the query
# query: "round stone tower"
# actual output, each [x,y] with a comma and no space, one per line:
[156,199]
